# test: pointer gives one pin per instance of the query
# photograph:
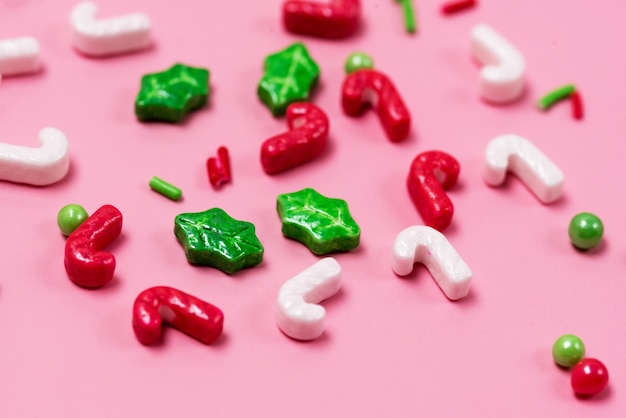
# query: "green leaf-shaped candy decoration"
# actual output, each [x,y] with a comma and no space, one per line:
[323,224]
[169,95]
[289,76]
[215,239]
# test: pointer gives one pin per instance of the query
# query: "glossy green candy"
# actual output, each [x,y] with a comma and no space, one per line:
[70,217]
[288,76]
[215,239]
[358,61]
[568,350]
[169,95]
[323,224]
[166,189]
[585,230]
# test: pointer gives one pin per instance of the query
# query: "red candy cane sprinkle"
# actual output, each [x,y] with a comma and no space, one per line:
[219,168]
[457,6]
[577,105]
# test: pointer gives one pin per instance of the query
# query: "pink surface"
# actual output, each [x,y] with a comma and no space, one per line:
[393,346]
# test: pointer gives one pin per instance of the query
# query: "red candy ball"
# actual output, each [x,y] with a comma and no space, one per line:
[589,377]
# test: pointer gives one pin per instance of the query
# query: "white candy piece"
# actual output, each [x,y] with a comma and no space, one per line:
[108,36]
[502,74]
[297,311]
[37,166]
[517,154]
[426,245]
[19,56]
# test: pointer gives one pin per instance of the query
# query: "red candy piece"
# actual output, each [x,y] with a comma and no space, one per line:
[85,262]
[194,317]
[432,173]
[457,6]
[218,168]
[306,139]
[333,19]
[589,377]
[577,105]
[357,92]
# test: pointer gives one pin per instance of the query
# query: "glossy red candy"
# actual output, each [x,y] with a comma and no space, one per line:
[370,87]
[330,19]
[431,174]
[86,263]
[589,377]
[306,139]
[218,168]
[187,313]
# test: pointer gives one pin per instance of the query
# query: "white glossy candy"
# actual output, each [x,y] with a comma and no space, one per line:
[19,56]
[426,245]
[517,154]
[297,311]
[37,166]
[502,75]
[108,36]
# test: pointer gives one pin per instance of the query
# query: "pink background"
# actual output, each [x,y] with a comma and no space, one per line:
[392,347]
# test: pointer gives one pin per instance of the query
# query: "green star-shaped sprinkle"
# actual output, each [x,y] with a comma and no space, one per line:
[323,224]
[215,239]
[289,75]
[171,94]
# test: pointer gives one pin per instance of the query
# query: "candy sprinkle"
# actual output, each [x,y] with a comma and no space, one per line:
[408,11]
[555,96]
[577,105]
[457,6]
[166,189]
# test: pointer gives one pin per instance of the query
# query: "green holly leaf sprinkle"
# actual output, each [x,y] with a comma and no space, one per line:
[215,239]
[169,95]
[289,76]
[323,224]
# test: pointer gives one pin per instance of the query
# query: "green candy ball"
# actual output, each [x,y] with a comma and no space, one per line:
[568,350]
[358,61]
[585,230]
[70,217]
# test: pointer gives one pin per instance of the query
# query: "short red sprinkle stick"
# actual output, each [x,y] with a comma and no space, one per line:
[577,105]
[219,168]
[457,6]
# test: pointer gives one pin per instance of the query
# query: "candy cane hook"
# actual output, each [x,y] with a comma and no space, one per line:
[517,154]
[109,36]
[426,245]
[298,313]
[19,56]
[502,77]
[187,313]
[371,87]
[306,139]
[41,166]
[86,263]
[332,19]
[431,174]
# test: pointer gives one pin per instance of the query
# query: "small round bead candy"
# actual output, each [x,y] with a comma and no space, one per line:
[358,61]
[70,217]
[589,377]
[585,230]
[568,350]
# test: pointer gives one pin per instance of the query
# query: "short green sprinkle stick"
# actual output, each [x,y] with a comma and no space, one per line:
[166,189]
[555,96]
[408,11]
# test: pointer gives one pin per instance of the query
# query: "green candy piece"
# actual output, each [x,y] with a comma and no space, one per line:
[288,76]
[358,61]
[323,224]
[585,230]
[169,95]
[215,239]
[568,350]
[71,217]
